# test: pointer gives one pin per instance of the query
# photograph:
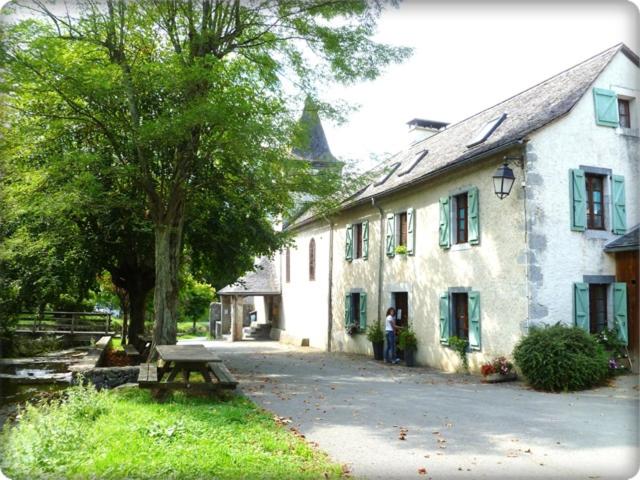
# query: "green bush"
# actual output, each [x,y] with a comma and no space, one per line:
[460,345]
[560,358]
[375,333]
[408,339]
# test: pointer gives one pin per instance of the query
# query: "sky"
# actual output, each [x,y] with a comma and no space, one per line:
[467,57]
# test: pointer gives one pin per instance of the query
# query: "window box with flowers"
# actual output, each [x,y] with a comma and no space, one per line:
[498,370]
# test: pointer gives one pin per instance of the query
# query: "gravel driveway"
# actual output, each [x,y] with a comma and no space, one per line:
[389,421]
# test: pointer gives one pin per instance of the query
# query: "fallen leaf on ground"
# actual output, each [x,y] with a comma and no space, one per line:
[422,471]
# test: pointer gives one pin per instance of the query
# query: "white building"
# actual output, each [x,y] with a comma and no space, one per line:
[561,247]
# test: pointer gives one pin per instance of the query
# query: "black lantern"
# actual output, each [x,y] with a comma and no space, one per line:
[503,181]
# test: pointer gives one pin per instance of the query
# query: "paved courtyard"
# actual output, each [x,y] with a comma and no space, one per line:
[388,421]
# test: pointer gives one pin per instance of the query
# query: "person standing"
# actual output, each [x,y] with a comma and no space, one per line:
[391,328]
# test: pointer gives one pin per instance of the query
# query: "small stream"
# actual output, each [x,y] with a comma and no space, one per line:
[23,379]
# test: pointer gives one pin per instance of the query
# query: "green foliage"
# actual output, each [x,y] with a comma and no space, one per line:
[407,339]
[185,437]
[375,334]
[195,298]
[611,343]
[401,250]
[460,346]
[561,358]
[22,346]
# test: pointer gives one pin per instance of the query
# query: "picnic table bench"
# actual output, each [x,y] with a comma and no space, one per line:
[178,362]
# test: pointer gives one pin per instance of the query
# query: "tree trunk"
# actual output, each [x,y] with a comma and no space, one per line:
[123,296]
[165,300]
[137,302]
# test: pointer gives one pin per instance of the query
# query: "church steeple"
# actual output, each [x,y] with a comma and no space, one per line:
[312,142]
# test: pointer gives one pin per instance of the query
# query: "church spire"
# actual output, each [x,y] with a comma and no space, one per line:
[312,142]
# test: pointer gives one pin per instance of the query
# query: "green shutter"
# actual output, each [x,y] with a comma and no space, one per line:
[578,191]
[411,231]
[365,239]
[445,218]
[581,305]
[444,318]
[606,107]
[363,311]
[474,320]
[391,234]
[347,310]
[474,216]
[619,223]
[620,311]
[348,250]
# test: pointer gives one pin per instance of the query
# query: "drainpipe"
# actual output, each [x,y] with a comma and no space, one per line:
[526,234]
[329,300]
[380,256]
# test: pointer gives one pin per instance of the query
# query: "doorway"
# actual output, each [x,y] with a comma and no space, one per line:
[401,304]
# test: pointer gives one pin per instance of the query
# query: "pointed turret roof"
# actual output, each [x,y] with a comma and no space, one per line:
[312,145]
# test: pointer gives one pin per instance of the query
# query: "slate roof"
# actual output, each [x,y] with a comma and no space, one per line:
[315,147]
[263,280]
[629,241]
[526,112]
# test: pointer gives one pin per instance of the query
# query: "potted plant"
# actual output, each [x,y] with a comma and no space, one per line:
[402,250]
[459,345]
[376,336]
[409,344]
[498,370]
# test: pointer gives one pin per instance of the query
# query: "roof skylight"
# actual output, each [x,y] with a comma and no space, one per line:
[386,174]
[419,156]
[486,131]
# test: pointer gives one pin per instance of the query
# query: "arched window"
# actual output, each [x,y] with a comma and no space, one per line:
[312,260]
[288,265]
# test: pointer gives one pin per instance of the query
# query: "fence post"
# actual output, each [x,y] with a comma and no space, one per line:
[106,331]
[73,322]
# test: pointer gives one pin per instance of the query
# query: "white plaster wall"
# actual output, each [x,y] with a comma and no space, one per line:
[559,256]
[495,268]
[304,309]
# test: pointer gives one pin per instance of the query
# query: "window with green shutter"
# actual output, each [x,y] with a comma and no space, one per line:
[474,320]
[347,310]
[363,311]
[365,239]
[578,192]
[619,216]
[474,216]
[581,305]
[411,231]
[445,218]
[444,318]
[620,311]
[390,237]
[606,107]
[348,249]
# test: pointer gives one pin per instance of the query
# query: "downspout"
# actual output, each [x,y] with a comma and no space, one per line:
[526,235]
[329,300]
[380,256]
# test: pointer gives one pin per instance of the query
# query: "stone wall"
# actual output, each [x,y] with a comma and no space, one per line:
[110,377]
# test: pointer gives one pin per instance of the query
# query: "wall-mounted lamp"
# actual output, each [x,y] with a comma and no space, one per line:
[503,178]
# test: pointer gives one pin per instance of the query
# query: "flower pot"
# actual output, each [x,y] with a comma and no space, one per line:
[410,357]
[378,350]
[497,378]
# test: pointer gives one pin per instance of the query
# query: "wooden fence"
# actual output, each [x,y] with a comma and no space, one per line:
[65,322]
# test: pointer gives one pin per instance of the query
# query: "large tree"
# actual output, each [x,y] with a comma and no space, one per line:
[189,97]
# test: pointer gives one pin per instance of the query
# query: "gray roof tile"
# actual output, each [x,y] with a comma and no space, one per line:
[263,280]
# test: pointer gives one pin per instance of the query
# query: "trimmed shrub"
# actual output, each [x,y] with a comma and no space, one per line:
[561,358]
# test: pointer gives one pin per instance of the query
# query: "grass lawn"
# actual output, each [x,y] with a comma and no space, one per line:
[127,434]
[185,330]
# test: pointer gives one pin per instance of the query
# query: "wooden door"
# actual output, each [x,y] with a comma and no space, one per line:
[461,312]
[627,271]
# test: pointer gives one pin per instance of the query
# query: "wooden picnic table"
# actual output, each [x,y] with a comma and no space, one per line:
[185,359]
